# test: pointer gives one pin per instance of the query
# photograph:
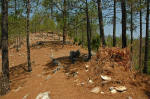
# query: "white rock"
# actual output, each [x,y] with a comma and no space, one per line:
[112,90]
[86,70]
[18,89]
[25,97]
[87,66]
[82,83]
[121,88]
[95,90]
[102,92]
[45,95]
[106,78]
[91,82]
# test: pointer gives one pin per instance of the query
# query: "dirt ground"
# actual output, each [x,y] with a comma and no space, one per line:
[62,84]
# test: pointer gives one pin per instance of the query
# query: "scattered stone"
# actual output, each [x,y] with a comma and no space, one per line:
[82,83]
[93,53]
[74,74]
[106,78]
[45,95]
[112,90]
[26,96]
[77,80]
[105,82]
[95,90]
[18,89]
[87,66]
[86,70]
[121,88]
[129,97]
[102,92]
[91,82]
[48,77]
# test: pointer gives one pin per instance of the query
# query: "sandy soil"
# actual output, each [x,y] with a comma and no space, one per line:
[59,84]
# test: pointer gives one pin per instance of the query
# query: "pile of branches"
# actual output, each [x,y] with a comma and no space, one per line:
[117,55]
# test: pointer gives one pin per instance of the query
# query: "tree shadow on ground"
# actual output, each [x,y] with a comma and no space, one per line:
[18,75]
[67,64]
[147,92]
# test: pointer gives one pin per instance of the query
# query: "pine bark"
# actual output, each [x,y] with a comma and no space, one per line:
[28,43]
[88,31]
[146,60]
[101,25]
[140,50]
[123,7]
[114,25]
[65,22]
[4,79]
[131,29]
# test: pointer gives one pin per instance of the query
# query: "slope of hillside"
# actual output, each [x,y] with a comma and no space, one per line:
[73,81]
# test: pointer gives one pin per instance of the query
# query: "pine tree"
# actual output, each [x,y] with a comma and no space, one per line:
[4,80]
[28,43]
[146,60]
[123,7]
[101,24]
[114,25]
[88,31]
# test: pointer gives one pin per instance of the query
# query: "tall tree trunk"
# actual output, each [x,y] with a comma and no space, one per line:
[4,79]
[52,9]
[28,43]
[140,51]
[15,8]
[114,25]
[82,36]
[146,60]
[91,22]
[124,39]
[15,20]
[101,25]
[131,28]
[88,31]
[65,22]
